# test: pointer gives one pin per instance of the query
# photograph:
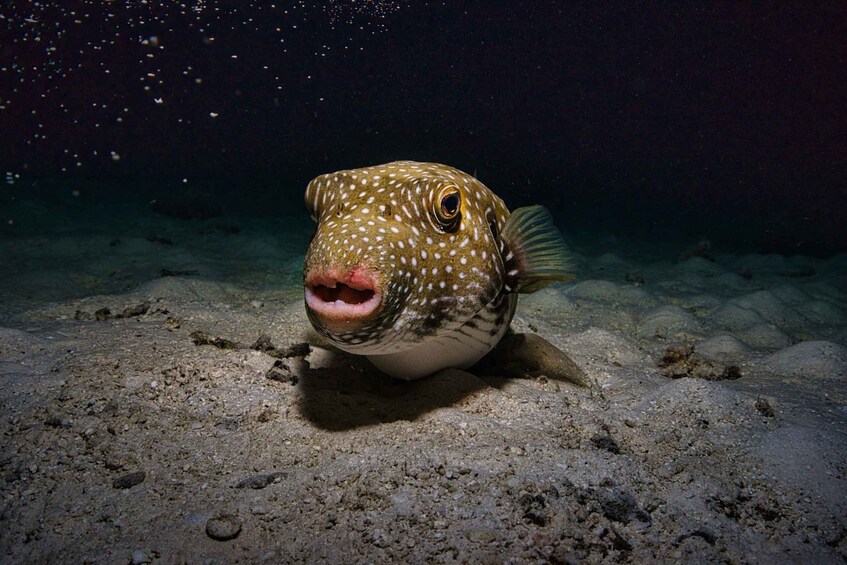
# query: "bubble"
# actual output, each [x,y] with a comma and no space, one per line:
[69,67]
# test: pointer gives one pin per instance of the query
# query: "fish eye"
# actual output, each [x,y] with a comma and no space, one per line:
[447,207]
[450,204]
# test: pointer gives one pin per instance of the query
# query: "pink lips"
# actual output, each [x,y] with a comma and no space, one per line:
[342,298]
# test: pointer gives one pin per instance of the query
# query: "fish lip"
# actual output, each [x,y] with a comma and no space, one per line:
[339,314]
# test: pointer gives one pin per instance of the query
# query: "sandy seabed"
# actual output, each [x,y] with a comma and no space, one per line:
[164,400]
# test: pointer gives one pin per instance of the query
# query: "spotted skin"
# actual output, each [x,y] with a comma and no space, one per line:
[443,283]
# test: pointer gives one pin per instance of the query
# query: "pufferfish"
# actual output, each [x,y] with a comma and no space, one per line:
[418,266]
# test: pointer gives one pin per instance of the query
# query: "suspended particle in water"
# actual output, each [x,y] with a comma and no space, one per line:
[365,11]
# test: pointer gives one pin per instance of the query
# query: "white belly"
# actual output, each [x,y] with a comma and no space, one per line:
[460,349]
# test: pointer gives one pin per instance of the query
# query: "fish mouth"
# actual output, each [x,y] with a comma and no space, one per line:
[342,300]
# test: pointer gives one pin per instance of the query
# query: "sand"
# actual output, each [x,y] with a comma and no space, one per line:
[144,420]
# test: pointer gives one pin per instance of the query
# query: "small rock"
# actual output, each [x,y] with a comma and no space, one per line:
[619,505]
[140,556]
[263,343]
[202,338]
[619,542]
[703,533]
[129,480]
[223,527]
[296,350]
[482,536]
[534,508]
[682,361]
[260,481]
[103,314]
[137,310]
[764,407]
[281,371]
[57,421]
[606,442]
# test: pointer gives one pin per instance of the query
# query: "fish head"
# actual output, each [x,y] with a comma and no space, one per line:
[402,252]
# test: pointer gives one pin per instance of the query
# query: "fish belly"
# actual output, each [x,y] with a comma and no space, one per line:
[459,349]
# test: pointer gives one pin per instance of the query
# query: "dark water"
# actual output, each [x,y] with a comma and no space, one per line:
[667,125]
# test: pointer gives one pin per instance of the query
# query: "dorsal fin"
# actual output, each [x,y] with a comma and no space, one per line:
[535,254]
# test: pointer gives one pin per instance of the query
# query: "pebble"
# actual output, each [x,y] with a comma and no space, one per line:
[223,527]
[619,505]
[260,481]
[140,556]
[482,536]
[129,480]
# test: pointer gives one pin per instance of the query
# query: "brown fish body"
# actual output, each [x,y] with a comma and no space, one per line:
[409,266]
